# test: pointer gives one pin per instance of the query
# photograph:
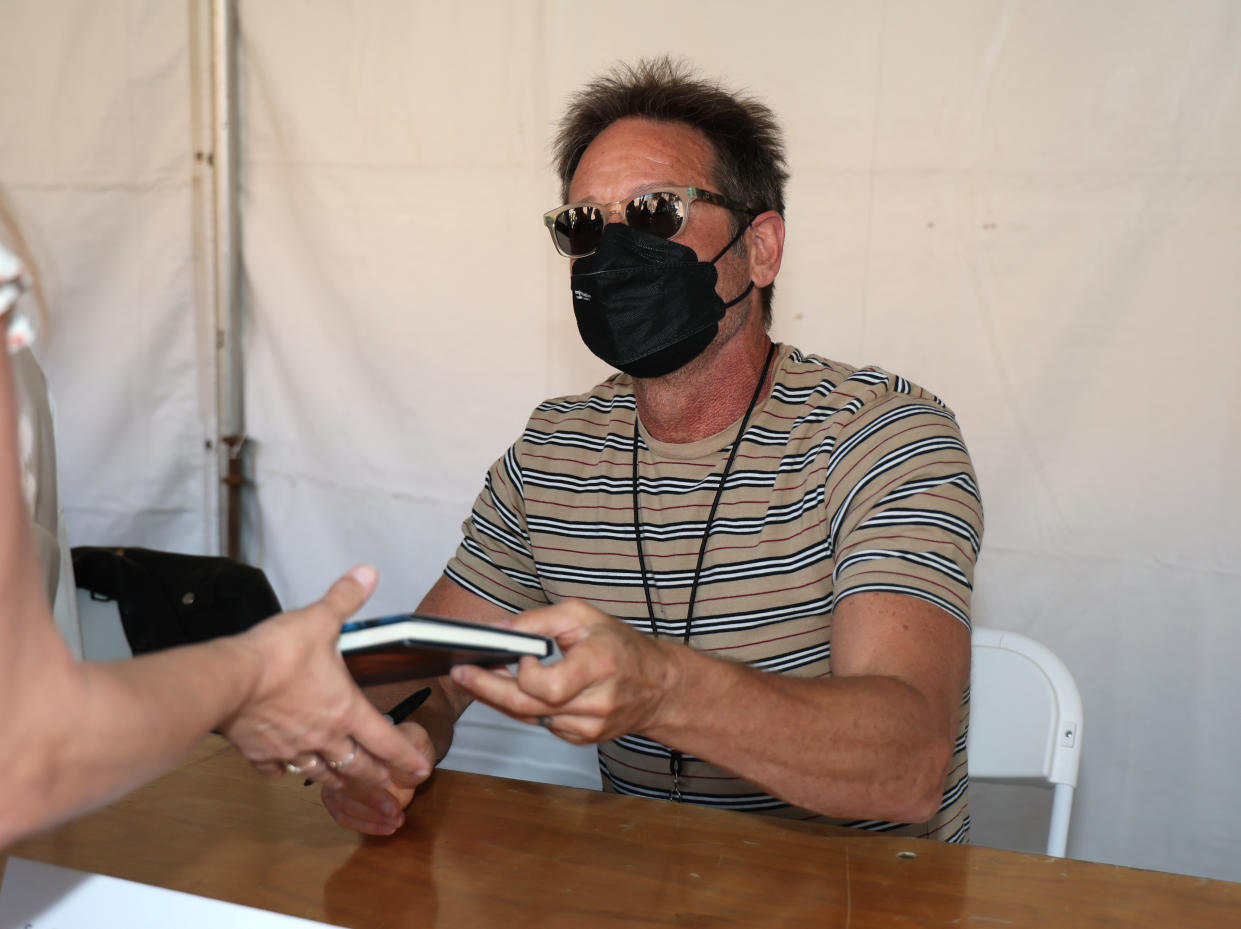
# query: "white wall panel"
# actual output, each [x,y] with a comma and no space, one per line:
[95,153]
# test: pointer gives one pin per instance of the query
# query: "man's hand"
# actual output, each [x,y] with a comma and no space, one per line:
[376,809]
[611,680]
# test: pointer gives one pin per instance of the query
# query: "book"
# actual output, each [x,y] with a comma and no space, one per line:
[411,645]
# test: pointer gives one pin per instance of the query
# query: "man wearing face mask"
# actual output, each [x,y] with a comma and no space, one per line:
[756,561]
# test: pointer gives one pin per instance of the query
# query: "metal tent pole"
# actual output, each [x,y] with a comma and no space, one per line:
[226,274]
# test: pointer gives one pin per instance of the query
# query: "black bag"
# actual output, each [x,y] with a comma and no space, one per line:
[167,599]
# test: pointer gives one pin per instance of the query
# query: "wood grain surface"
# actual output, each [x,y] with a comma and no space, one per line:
[480,851]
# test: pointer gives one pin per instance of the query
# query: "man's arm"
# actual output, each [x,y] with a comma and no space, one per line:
[871,742]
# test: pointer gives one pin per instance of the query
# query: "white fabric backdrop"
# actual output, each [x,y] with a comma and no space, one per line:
[94,155]
[1031,209]
[94,152]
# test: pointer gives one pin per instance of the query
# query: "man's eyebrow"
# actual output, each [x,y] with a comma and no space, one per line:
[636,192]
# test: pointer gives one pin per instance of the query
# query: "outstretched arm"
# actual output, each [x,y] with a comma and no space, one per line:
[80,734]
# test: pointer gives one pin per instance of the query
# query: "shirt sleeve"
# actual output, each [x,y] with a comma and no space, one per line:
[494,559]
[903,501]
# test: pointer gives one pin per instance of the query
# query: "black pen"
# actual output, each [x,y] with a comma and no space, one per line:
[400,712]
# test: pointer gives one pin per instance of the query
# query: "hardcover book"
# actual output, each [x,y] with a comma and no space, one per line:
[411,645]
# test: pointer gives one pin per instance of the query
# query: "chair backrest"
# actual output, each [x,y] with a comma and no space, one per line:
[1025,721]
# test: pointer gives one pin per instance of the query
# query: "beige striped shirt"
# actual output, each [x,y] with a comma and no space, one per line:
[847,480]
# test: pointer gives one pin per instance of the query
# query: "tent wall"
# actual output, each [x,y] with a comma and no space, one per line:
[1031,209]
[95,154]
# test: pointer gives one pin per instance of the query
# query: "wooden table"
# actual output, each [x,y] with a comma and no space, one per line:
[481,851]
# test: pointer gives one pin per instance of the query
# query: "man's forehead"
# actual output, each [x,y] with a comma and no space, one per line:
[634,153]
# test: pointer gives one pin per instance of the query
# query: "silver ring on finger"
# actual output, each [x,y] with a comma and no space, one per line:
[545,722]
[339,764]
[305,768]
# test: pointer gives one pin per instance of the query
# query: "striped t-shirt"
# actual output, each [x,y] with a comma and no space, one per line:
[846,480]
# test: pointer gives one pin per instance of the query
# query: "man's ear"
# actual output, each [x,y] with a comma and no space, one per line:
[766,247]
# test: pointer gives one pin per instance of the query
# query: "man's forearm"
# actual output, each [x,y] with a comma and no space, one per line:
[856,747]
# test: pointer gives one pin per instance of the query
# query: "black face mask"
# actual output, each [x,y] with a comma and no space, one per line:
[647,305]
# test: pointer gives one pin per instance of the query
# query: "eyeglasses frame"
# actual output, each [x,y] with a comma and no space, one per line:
[617,208]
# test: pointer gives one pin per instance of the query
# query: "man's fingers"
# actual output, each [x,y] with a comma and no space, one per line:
[561,622]
[376,805]
[360,818]
[559,683]
[575,729]
[502,693]
[536,691]
[365,826]
[405,750]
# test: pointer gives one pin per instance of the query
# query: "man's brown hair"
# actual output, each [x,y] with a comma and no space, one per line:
[748,145]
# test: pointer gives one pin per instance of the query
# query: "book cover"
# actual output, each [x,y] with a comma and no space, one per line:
[411,645]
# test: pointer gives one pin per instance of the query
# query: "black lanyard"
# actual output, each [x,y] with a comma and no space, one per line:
[675,759]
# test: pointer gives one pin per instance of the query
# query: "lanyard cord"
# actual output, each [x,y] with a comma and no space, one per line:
[675,759]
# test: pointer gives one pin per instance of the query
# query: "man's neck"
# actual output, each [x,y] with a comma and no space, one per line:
[705,396]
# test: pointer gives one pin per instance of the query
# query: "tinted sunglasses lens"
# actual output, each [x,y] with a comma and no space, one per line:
[660,213]
[578,229]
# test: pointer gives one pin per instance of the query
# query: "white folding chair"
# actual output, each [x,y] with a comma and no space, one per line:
[1025,722]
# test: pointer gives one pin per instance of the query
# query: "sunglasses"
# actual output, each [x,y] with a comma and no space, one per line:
[576,228]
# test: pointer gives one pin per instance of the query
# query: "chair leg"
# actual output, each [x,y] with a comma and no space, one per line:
[1058,833]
